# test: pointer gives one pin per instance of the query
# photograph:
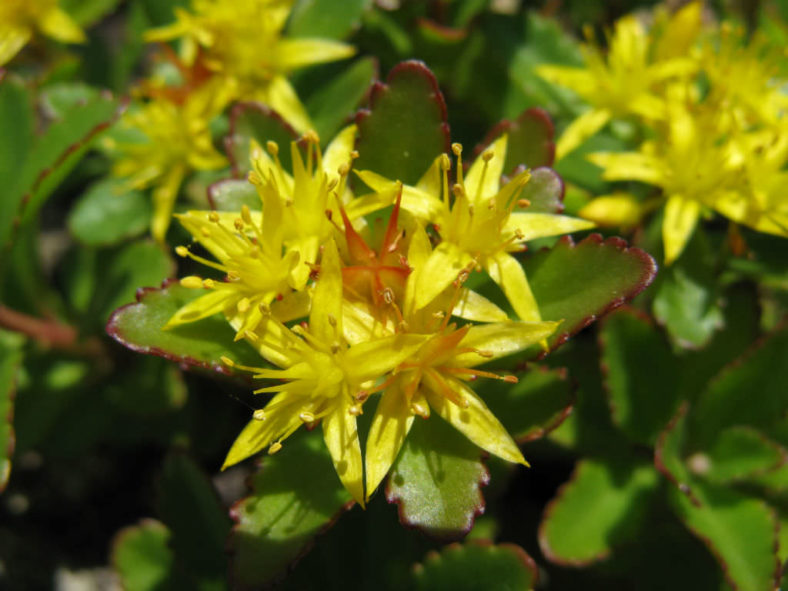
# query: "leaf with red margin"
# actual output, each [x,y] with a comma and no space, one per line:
[198,344]
[640,375]
[405,127]
[544,191]
[296,495]
[578,283]
[530,140]
[437,480]
[10,362]
[741,454]
[537,404]
[760,374]
[601,506]
[669,453]
[740,531]
[477,566]
[254,121]
[52,156]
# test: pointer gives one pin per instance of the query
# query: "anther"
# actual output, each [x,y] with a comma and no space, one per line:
[445,162]
[192,282]
[206,232]
[487,156]
[275,447]
[208,283]
[361,395]
[510,379]
[181,251]
[420,409]
[343,169]
[456,149]
[227,361]
[523,203]
[233,276]
[332,320]
[307,417]
[246,215]
[259,414]
[388,295]
[332,183]
[485,354]
[272,147]
[213,216]
[239,224]
[354,154]
[254,178]
[457,189]
[311,136]
[355,410]
[243,305]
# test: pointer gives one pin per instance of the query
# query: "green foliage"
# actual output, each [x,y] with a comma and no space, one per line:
[141,556]
[405,128]
[109,213]
[10,360]
[294,496]
[437,480]
[477,567]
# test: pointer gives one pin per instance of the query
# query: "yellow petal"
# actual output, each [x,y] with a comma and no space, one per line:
[580,130]
[438,272]
[620,209]
[477,308]
[476,421]
[580,80]
[307,249]
[501,339]
[257,435]
[164,196]
[484,176]
[282,98]
[341,436]
[431,182]
[325,320]
[12,40]
[507,272]
[372,359]
[297,53]
[540,225]
[57,24]
[681,216]
[416,201]
[629,166]
[338,151]
[390,426]
[213,302]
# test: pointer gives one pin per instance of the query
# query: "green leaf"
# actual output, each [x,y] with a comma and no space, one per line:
[740,531]
[326,19]
[52,156]
[530,140]
[295,496]
[141,556]
[59,98]
[687,300]
[739,453]
[405,128]
[198,344]
[253,121]
[17,122]
[189,505]
[545,191]
[577,283]
[751,391]
[537,404]
[10,362]
[232,195]
[669,452]
[336,101]
[109,213]
[600,507]
[437,480]
[477,566]
[641,375]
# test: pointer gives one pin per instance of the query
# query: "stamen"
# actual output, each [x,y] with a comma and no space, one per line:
[259,414]
[420,410]
[214,217]
[355,410]
[275,447]
[307,417]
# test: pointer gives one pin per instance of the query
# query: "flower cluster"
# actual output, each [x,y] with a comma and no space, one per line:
[712,108]
[229,51]
[346,316]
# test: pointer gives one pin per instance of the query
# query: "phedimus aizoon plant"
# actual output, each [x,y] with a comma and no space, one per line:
[348,271]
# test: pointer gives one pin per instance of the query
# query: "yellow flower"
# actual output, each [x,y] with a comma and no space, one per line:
[242,42]
[268,255]
[478,226]
[691,162]
[435,376]
[323,379]
[624,81]
[19,19]
[177,140]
